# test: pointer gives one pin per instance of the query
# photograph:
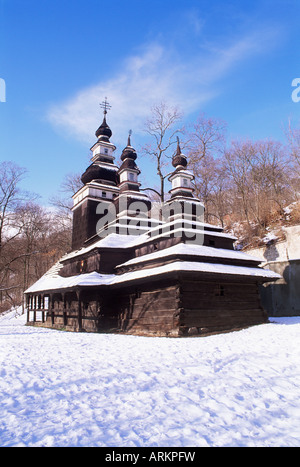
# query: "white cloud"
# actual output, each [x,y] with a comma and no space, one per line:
[156,74]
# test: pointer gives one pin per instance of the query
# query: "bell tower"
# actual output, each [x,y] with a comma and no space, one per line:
[100,184]
[129,171]
[182,205]
[132,206]
[181,178]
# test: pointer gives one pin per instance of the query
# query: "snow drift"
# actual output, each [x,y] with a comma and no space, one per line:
[78,389]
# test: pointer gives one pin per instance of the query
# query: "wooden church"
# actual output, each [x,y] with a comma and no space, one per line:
[138,270]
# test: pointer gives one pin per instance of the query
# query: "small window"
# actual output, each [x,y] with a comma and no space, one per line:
[220,290]
[82,266]
[105,151]
[185,182]
[103,194]
[131,177]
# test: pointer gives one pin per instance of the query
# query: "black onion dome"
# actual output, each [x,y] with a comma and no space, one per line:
[95,172]
[128,163]
[128,152]
[179,159]
[104,131]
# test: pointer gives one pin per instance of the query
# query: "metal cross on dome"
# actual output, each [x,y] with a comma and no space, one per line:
[105,105]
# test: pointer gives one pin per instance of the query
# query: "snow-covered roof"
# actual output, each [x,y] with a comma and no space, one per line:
[197,267]
[190,233]
[52,281]
[193,250]
[112,240]
[55,282]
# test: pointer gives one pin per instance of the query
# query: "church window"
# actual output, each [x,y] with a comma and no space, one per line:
[103,194]
[131,177]
[185,182]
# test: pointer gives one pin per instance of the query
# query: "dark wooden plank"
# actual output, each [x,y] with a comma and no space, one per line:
[197,285]
[220,312]
[150,327]
[191,304]
[148,320]
[219,320]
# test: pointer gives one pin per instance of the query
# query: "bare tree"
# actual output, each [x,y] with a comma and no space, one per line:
[221,194]
[237,159]
[162,126]
[261,183]
[10,197]
[270,178]
[293,137]
[206,142]
[32,238]
[205,181]
[34,224]
[62,214]
[40,242]
[206,138]
[71,184]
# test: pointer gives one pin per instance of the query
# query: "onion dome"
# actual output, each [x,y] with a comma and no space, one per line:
[179,160]
[129,171]
[128,152]
[100,174]
[104,132]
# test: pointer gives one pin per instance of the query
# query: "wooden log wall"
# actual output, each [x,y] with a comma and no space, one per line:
[172,308]
[207,307]
[150,312]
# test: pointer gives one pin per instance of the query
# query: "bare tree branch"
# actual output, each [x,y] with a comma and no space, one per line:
[160,126]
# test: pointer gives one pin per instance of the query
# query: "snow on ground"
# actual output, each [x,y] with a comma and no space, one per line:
[77,389]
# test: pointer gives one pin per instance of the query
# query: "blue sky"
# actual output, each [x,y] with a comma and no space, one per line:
[233,60]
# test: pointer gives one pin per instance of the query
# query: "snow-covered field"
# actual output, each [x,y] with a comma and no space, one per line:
[78,389]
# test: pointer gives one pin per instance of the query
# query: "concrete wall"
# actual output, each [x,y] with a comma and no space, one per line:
[282,298]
